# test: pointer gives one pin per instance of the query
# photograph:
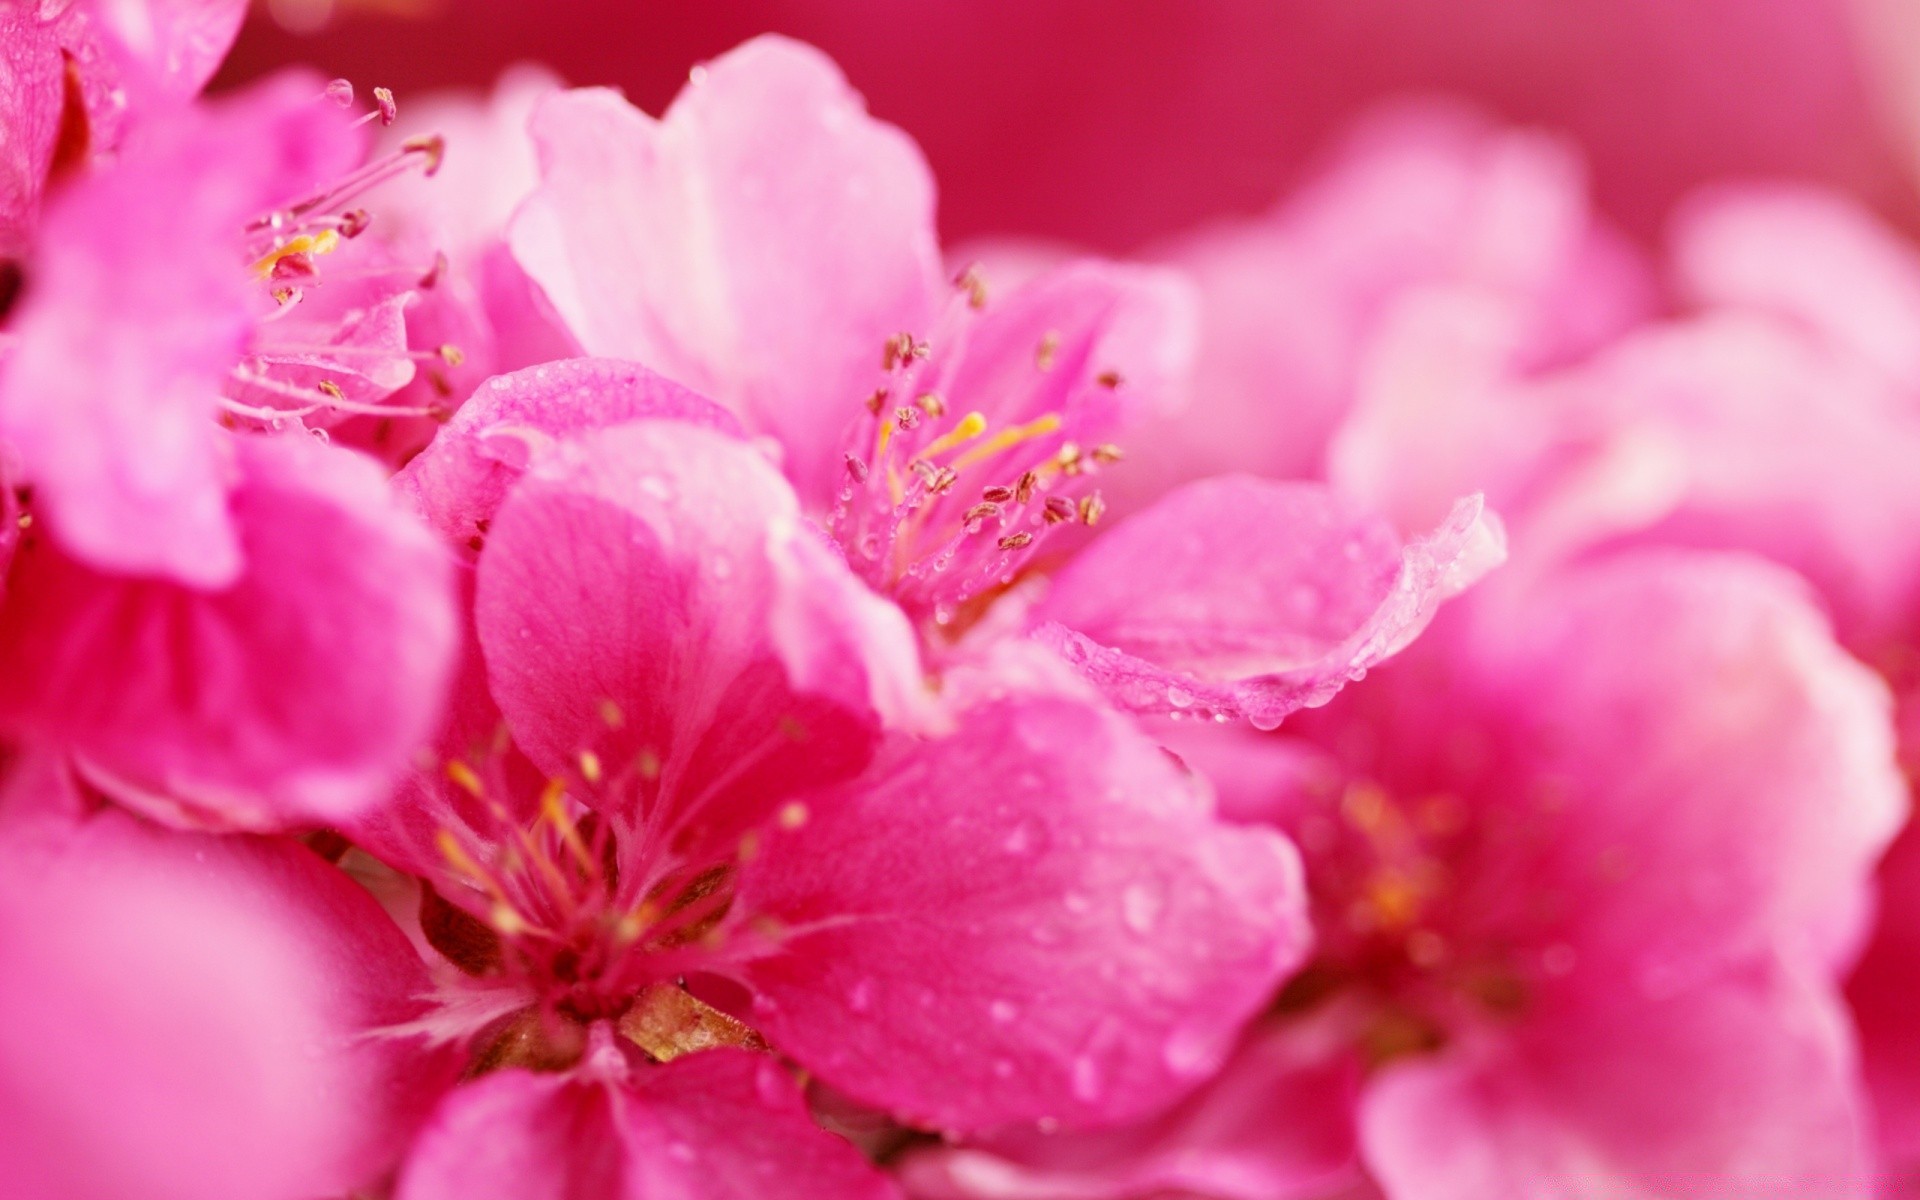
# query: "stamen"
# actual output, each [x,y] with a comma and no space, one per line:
[1008,438]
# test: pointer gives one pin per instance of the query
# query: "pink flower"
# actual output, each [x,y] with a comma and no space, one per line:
[769,244]
[220,627]
[74,68]
[185,1016]
[715,804]
[1583,863]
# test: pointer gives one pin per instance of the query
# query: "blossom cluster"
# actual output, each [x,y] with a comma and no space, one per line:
[548,650]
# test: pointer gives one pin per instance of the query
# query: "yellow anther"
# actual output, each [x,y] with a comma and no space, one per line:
[1049,350]
[647,762]
[464,778]
[969,427]
[324,242]
[1040,426]
[794,815]
[590,767]
[553,807]
[507,919]
[749,847]
[457,856]
[631,925]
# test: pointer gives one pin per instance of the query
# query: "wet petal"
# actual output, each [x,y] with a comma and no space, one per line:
[653,572]
[1032,918]
[1248,598]
[721,1125]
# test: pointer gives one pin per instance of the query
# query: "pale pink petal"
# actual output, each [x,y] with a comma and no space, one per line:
[1740,1088]
[720,1125]
[758,243]
[1727,771]
[1813,257]
[1032,918]
[190,1016]
[138,304]
[644,571]
[459,480]
[1275,1124]
[1251,598]
[166,48]
[1787,449]
[290,697]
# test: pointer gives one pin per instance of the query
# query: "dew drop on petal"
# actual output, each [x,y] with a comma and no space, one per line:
[1179,697]
[1088,1081]
[1002,1012]
[1141,904]
[860,997]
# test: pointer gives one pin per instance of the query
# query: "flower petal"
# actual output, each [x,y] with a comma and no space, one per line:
[1245,597]
[290,697]
[720,1125]
[758,243]
[1032,918]
[138,307]
[653,572]
[1741,1089]
[187,1016]
[1275,1124]
[460,479]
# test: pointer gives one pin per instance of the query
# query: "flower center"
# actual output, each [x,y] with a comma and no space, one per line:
[940,508]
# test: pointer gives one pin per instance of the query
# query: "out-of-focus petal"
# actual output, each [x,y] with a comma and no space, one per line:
[290,697]
[137,306]
[1742,1088]
[1251,598]
[1881,994]
[758,243]
[189,1016]
[1032,918]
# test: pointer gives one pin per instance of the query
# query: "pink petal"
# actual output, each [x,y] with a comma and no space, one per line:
[459,480]
[1244,597]
[720,1125]
[1741,1088]
[137,307]
[758,243]
[190,1016]
[1729,771]
[1785,448]
[657,567]
[290,697]
[1033,918]
[1814,257]
[32,78]
[1275,1124]
[164,48]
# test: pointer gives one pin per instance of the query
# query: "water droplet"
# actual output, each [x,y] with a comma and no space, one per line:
[1076,903]
[1025,837]
[1190,1051]
[1003,1012]
[860,998]
[1141,904]
[1088,1080]
[1002,1068]
[1179,697]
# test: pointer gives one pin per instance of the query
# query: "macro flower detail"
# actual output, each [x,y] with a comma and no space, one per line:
[687,828]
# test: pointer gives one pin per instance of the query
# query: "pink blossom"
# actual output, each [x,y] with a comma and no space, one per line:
[183,1015]
[770,245]
[1582,866]
[72,69]
[714,761]
[220,627]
